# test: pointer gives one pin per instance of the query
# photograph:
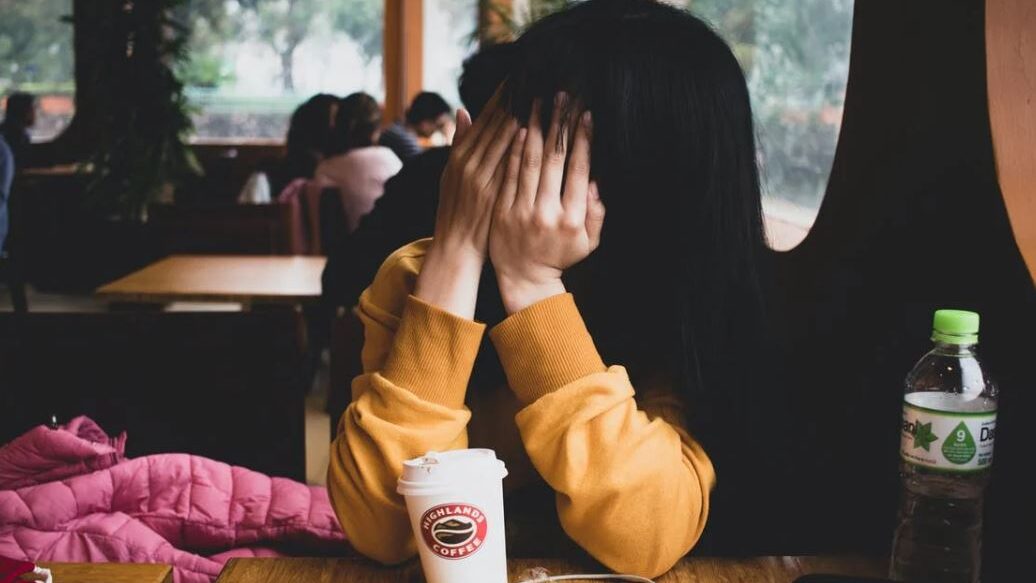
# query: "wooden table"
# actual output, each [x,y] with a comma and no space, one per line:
[109,573]
[755,570]
[59,170]
[222,278]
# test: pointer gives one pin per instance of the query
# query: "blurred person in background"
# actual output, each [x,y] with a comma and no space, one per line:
[310,136]
[19,117]
[406,212]
[358,167]
[428,114]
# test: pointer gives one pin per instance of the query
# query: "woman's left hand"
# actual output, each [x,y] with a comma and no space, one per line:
[548,215]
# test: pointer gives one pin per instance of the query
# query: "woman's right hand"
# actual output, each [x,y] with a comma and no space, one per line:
[467,193]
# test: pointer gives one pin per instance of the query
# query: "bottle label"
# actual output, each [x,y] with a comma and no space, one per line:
[954,441]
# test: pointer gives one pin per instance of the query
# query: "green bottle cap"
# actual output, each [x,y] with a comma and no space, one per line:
[955,327]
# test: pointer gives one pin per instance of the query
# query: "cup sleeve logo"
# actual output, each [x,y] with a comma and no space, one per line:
[454,531]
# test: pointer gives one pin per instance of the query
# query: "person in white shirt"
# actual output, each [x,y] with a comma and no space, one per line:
[358,167]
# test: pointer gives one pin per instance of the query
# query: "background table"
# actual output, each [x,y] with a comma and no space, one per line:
[222,278]
[753,570]
[59,170]
[109,573]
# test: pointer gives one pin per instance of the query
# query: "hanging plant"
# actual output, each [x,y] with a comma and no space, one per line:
[143,119]
[513,18]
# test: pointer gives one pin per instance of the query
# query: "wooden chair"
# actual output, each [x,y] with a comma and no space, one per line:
[333,224]
[225,228]
[222,385]
[322,217]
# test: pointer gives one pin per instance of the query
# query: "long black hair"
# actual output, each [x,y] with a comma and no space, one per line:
[308,141]
[311,125]
[674,288]
[357,122]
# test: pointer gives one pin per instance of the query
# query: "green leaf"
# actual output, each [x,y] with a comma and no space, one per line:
[924,437]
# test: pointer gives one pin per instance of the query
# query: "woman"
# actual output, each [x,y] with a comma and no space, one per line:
[309,138]
[668,288]
[19,118]
[358,168]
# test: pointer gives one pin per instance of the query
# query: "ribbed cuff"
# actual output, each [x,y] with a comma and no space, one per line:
[433,353]
[545,347]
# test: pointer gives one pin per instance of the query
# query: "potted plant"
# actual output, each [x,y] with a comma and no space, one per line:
[142,118]
[503,21]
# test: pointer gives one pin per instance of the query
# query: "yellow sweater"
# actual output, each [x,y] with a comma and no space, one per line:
[632,487]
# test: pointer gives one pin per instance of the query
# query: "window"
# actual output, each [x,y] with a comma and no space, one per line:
[253,61]
[450,29]
[796,58]
[36,57]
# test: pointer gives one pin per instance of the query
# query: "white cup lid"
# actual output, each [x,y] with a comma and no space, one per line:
[435,472]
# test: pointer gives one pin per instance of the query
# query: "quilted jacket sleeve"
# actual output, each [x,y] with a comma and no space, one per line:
[192,502]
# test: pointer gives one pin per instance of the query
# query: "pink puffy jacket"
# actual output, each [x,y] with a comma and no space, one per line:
[69,494]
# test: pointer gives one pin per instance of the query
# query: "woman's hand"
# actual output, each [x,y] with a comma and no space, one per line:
[548,215]
[468,189]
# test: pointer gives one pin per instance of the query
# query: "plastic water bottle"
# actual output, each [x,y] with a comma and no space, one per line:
[949,420]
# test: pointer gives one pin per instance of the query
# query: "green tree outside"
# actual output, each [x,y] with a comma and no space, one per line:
[796,59]
[283,25]
[35,45]
[36,56]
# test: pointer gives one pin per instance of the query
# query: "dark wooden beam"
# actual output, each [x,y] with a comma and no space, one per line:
[403,54]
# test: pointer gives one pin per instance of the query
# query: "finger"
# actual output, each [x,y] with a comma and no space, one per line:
[463,125]
[488,137]
[491,110]
[509,180]
[489,114]
[496,148]
[577,173]
[532,159]
[493,103]
[555,151]
[501,143]
[594,216]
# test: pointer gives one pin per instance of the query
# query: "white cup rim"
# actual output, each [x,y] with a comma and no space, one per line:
[465,469]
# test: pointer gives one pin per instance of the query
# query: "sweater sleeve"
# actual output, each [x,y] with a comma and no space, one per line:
[417,361]
[631,489]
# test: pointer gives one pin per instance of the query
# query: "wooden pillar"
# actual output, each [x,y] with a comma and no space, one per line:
[403,56]
[1011,83]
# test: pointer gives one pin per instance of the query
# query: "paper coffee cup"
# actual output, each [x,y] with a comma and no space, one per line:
[456,504]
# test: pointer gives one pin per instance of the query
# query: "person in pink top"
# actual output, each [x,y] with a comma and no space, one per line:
[358,167]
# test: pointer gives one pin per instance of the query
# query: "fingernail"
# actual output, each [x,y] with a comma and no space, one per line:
[521,134]
[560,99]
[594,195]
[588,120]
